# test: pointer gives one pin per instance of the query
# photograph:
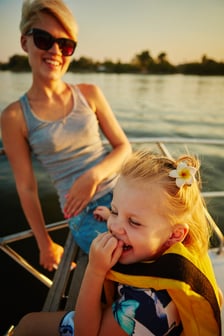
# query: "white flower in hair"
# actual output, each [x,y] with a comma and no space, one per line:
[184,174]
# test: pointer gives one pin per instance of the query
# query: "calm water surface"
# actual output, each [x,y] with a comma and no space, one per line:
[176,105]
[173,105]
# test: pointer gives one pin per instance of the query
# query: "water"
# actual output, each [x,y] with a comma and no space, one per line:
[176,105]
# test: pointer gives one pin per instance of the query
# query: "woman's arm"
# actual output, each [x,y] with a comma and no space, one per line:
[90,317]
[14,135]
[111,129]
[86,185]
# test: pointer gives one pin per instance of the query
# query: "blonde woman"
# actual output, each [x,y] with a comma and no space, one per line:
[60,124]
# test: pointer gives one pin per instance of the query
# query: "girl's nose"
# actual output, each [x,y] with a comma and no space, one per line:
[115,226]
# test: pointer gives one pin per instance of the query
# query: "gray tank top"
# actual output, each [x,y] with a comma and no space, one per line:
[67,147]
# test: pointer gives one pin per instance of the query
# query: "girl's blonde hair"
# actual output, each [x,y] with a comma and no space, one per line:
[32,9]
[183,205]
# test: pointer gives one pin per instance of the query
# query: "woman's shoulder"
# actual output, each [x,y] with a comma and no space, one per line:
[88,88]
[12,111]
[92,94]
[12,120]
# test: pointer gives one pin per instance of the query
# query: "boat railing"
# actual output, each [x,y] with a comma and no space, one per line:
[161,144]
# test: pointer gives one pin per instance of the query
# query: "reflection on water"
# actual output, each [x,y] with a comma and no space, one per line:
[165,105]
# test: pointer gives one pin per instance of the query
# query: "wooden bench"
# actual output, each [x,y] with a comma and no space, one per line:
[63,293]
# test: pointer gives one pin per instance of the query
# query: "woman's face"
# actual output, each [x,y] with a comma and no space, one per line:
[47,64]
[138,218]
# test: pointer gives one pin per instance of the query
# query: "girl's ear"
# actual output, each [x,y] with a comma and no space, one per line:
[23,41]
[179,233]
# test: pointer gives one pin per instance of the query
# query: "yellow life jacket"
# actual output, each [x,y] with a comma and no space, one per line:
[190,282]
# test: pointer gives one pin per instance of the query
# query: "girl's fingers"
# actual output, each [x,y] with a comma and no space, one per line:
[105,240]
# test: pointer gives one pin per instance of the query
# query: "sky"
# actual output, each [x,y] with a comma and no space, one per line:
[118,30]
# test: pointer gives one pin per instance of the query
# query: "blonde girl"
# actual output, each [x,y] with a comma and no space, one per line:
[156,250]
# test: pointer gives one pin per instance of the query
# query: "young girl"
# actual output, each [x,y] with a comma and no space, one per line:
[156,250]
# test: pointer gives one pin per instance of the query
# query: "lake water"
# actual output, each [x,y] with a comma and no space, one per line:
[173,105]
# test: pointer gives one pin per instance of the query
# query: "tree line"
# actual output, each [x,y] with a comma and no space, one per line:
[141,63]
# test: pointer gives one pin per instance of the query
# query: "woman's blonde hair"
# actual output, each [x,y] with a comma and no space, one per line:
[32,9]
[184,204]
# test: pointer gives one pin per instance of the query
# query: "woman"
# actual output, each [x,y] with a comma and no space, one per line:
[60,124]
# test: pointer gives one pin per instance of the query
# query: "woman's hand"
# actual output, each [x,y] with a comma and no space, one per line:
[80,194]
[51,255]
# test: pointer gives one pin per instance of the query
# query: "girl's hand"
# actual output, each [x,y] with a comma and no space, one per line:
[101,213]
[105,251]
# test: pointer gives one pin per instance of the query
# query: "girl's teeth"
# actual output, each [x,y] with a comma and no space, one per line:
[126,247]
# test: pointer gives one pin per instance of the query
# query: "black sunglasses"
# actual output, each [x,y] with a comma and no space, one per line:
[44,41]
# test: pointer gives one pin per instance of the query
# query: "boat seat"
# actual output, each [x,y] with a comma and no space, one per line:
[63,293]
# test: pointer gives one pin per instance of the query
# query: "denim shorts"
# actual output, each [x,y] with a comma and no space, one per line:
[85,227]
[66,327]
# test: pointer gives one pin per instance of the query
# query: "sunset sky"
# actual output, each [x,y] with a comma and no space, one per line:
[119,29]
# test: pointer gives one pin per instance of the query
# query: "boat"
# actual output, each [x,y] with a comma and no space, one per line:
[65,285]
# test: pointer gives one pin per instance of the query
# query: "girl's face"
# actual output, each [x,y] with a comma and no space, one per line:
[138,218]
[47,64]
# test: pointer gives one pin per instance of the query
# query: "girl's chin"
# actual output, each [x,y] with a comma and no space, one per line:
[128,257]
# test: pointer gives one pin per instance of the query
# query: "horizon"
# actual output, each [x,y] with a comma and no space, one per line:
[108,31]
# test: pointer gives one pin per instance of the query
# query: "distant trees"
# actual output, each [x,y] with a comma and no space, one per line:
[146,64]
[164,65]
[16,63]
[141,63]
[84,63]
[88,65]
[206,67]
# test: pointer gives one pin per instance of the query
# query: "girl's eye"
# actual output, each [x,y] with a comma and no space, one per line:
[132,222]
[113,212]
